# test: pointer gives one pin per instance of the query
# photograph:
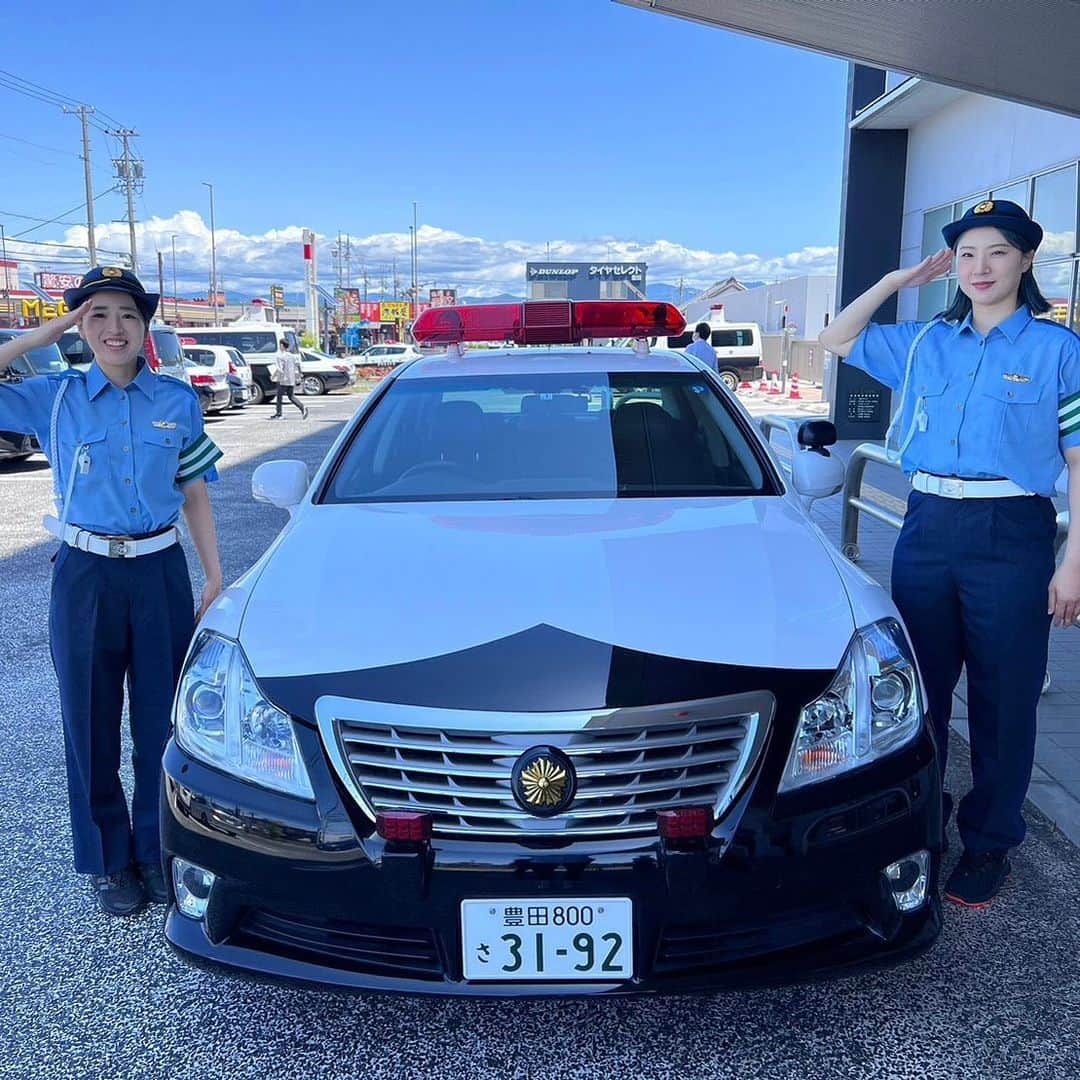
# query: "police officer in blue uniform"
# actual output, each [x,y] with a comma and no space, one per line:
[989,414]
[128,453]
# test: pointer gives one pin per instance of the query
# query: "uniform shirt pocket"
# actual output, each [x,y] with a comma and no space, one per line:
[1014,409]
[88,459]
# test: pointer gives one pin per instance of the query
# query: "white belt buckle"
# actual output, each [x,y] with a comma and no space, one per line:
[951,487]
[118,549]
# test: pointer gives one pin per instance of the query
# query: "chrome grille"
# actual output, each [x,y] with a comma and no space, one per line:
[629,762]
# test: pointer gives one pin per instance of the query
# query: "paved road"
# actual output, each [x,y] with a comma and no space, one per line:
[86,996]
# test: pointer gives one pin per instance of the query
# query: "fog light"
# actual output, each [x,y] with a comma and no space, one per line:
[685,823]
[404,826]
[908,878]
[192,885]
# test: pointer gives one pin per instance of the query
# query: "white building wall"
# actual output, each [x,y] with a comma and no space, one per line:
[807,298]
[972,146]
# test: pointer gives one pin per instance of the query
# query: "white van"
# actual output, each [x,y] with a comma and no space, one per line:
[258,343]
[737,347]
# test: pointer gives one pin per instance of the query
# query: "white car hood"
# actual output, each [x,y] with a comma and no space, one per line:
[741,581]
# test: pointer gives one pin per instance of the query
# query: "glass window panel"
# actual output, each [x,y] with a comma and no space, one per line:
[933,222]
[1055,280]
[1055,211]
[933,298]
[1074,318]
[1018,193]
[961,208]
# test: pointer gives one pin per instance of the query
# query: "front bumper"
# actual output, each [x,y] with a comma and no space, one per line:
[786,889]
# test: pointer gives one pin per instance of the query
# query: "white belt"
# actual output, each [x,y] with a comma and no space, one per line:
[112,547]
[952,487]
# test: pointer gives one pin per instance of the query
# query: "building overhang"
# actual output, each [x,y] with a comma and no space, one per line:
[905,105]
[1021,50]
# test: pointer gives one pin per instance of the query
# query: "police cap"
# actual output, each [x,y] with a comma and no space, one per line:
[113,279]
[998,214]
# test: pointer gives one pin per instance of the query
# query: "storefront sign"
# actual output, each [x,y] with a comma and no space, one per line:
[50,280]
[626,271]
[38,309]
[442,297]
[368,310]
[554,271]
[392,310]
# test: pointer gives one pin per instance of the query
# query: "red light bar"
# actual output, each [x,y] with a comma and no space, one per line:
[407,826]
[685,823]
[548,322]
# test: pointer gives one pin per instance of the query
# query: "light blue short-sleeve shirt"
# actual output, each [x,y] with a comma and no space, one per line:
[703,351]
[1004,405]
[130,449]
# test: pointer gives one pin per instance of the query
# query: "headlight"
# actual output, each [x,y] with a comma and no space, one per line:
[222,719]
[872,706]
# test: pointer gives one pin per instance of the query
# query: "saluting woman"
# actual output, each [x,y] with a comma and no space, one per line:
[128,453]
[989,415]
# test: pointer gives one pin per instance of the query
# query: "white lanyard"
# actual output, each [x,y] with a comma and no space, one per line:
[79,460]
[918,415]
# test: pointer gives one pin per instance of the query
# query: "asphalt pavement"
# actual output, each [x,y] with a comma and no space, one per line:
[86,996]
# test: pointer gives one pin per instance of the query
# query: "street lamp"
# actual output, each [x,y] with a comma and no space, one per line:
[213,254]
[175,298]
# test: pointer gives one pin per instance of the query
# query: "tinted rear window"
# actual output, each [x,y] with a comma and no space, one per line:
[167,346]
[732,338]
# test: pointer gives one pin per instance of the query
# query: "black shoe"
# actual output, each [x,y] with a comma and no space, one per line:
[303,413]
[977,879]
[154,882]
[121,893]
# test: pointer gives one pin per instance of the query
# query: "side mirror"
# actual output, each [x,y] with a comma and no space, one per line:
[815,473]
[817,434]
[280,483]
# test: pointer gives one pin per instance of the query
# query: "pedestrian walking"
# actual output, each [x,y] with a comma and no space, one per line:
[128,454]
[701,346]
[289,376]
[989,414]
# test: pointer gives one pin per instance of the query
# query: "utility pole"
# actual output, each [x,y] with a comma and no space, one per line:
[397,280]
[7,294]
[415,263]
[160,275]
[364,275]
[175,297]
[83,111]
[129,171]
[213,254]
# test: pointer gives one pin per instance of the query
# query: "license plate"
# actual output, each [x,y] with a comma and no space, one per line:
[508,940]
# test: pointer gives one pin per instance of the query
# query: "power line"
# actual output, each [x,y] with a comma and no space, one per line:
[56,220]
[38,146]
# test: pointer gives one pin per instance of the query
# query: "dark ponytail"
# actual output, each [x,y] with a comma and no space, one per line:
[1029,292]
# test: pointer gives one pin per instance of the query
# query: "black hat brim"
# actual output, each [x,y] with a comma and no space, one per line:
[147,303]
[1030,231]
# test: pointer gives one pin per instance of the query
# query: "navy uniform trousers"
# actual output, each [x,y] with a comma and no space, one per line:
[111,620]
[970,578]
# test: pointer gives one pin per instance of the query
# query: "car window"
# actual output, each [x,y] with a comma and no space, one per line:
[167,346]
[202,357]
[237,358]
[624,435]
[47,360]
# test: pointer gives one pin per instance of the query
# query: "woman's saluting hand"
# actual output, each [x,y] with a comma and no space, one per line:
[931,268]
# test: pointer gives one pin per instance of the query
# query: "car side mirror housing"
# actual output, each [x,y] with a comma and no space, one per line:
[280,483]
[815,473]
[817,434]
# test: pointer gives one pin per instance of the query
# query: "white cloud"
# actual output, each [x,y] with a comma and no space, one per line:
[248,263]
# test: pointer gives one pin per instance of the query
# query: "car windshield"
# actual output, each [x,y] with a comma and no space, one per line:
[202,357]
[549,436]
[47,360]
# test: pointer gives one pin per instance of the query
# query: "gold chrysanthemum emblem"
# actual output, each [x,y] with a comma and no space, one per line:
[543,782]
[984,207]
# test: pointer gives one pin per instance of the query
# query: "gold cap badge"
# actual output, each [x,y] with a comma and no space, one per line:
[112,271]
[984,207]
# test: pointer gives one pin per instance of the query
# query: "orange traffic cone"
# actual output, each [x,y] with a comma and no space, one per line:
[763,385]
[793,393]
[774,384]
[744,386]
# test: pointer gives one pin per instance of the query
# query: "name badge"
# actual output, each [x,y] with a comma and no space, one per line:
[168,425]
[1013,376]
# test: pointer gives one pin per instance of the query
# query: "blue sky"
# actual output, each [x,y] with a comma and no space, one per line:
[584,123]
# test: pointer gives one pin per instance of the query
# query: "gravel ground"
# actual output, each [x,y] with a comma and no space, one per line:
[83,995]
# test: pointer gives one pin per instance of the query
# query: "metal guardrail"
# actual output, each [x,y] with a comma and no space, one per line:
[854,502]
